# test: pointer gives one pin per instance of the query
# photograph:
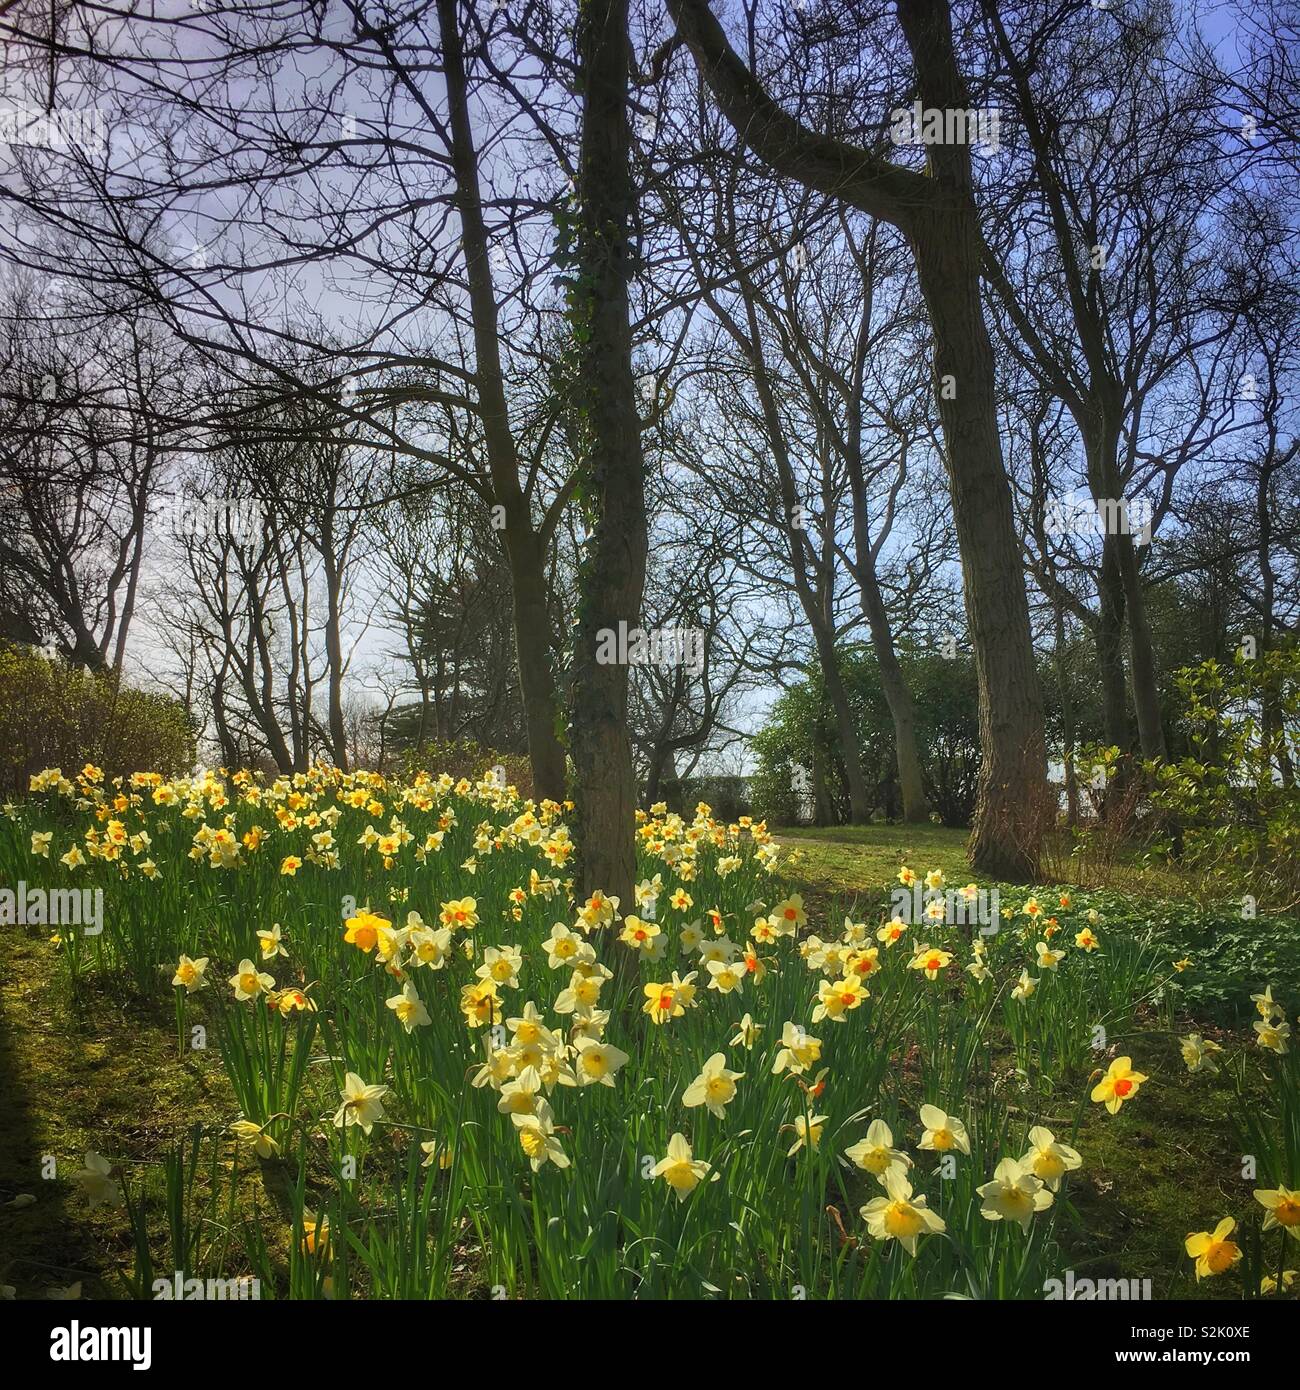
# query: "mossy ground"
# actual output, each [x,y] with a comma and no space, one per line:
[106,1076]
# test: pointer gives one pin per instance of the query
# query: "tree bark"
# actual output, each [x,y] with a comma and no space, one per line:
[612,468]
[522,545]
[898,696]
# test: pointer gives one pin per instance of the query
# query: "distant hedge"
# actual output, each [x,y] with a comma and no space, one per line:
[465,758]
[52,715]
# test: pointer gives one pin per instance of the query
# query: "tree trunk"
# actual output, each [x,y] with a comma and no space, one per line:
[902,708]
[1102,443]
[1067,717]
[1011,797]
[612,576]
[523,548]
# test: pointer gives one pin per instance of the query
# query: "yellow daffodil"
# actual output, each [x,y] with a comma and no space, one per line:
[1015,1194]
[875,1154]
[929,959]
[1213,1252]
[714,1087]
[798,1052]
[1048,1159]
[410,1011]
[1198,1053]
[899,1215]
[362,1104]
[598,1062]
[1119,1084]
[1281,1208]
[1273,1035]
[943,1132]
[248,981]
[192,974]
[256,1137]
[680,1169]
[746,1033]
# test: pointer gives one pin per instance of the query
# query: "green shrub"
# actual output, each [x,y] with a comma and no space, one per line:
[1233,801]
[52,715]
[465,758]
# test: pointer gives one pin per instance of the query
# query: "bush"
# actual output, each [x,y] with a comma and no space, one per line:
[1234,803]
[465,758]
[801,731]
[52,715]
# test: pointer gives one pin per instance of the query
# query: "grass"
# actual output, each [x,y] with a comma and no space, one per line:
[856,858]
[851,858]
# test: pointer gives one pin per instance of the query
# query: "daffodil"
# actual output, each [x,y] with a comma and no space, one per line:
[1024,988]
[1281,1208]
[248,981]
[725,976]
[362,1104]
[520,1096]
[1048,1159]
[714,1087]
[943,1132]
[899,1215]
[798,1051]
[409,1008]
[481,1004]
[1048,959]
[1015,1194]
[362,930]
[436,1152]
[501,965]
[641,936]
[789,914]
[1213,1251]
[97,1181]
[256,1137]
[191,974]
[270,943]
[808,1131]
[1273,1035]
[680,1169]
[892,931]
[598,1062]
[835,1001]
[1267,1006]
[876,1154]
[1198,1053]
[1119,1084]
[562,946]
[929,959]
[747,1032]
